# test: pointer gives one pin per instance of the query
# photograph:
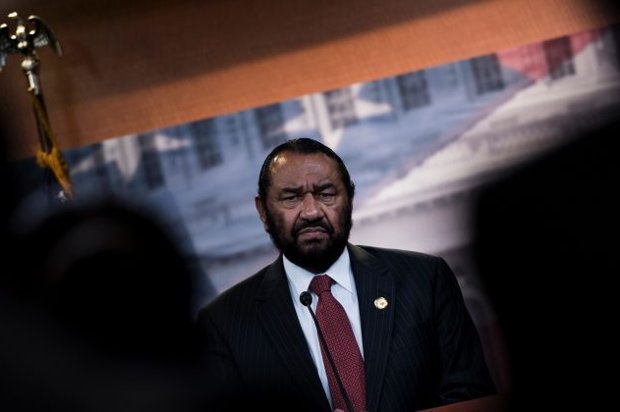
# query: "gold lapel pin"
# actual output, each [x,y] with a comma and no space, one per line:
[381,303]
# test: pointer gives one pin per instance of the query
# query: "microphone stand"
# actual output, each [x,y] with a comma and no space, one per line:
[306,300]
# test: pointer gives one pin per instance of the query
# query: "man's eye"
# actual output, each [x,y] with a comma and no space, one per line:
[327,195]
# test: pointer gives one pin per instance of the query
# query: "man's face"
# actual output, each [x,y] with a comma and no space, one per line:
[307,210]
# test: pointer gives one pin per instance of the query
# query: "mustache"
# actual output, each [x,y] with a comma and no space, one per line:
[306,224]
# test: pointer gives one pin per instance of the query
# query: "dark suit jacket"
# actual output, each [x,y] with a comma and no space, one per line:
[421,351]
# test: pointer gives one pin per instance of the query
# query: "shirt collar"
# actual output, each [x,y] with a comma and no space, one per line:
[299,278]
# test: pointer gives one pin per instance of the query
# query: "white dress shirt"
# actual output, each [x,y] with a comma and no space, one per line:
[343,290]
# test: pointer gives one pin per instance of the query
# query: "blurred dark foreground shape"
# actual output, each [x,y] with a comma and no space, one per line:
[547,251]
[97,314]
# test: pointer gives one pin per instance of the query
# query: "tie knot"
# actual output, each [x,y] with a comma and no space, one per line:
[321,283]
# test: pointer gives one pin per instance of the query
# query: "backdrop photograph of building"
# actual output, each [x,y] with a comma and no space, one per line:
[417,145]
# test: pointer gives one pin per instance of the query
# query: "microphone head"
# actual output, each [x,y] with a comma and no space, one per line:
[305,298]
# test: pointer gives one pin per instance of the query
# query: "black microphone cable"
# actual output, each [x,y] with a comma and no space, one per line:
[306,299]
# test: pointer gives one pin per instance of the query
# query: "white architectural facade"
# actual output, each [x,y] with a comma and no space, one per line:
[417,145]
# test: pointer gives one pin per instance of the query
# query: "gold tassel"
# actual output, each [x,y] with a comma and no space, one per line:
[54,160]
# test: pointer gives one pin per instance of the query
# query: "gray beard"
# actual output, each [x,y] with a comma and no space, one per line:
[315,260]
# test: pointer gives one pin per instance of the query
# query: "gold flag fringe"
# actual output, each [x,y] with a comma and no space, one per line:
[53,160]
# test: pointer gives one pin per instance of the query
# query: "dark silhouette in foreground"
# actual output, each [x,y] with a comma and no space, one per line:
[547,254]
[98,315]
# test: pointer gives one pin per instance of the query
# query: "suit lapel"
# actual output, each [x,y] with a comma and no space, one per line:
[279,321]
[373,281]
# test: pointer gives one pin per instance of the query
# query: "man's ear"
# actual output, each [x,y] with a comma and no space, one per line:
[260,208]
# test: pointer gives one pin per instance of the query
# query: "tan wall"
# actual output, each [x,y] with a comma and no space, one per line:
[147,64]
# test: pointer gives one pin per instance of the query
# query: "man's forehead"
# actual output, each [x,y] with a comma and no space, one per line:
[294,169]
[287,157]
[309,161]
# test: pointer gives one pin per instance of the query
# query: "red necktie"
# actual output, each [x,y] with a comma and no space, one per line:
[342,345]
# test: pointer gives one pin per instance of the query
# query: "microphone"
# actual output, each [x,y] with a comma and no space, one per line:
[306,299]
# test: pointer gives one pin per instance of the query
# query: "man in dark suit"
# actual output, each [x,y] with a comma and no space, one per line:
[419,345]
